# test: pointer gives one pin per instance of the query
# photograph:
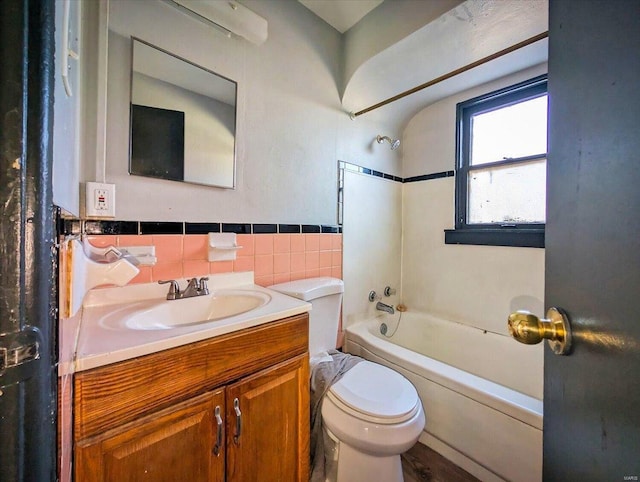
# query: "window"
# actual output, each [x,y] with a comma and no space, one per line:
[501,167]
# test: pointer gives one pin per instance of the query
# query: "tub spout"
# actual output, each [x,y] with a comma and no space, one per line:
[384,307]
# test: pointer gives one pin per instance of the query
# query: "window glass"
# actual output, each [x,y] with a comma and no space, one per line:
[510,194]
[518,130]
[501,164]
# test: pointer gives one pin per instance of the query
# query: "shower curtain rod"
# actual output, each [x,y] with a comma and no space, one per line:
[453,73]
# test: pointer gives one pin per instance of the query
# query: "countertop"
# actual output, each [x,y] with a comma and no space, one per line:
[103,339]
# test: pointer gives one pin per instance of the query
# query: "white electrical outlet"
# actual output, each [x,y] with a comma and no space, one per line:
[100,200]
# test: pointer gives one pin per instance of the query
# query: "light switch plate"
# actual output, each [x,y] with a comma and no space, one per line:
[100,200]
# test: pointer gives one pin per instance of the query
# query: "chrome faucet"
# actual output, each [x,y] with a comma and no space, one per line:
[195,287]
[384,307]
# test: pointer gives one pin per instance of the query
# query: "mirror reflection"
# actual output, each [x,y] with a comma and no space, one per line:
[183,120]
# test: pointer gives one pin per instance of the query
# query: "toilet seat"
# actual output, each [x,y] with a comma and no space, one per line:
[375,393]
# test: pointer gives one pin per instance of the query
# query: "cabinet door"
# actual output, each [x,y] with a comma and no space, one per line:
[171,445]
[268,425]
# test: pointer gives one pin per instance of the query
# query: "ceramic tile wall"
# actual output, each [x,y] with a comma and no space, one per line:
[274,258]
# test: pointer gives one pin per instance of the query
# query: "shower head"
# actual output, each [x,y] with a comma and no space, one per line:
[395,143]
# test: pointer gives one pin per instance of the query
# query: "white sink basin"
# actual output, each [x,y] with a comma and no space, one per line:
[165,315]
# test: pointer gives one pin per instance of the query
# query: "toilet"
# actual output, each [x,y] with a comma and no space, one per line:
[372,414]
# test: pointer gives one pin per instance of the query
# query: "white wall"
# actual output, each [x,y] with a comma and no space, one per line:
[291,127]
[67,108]
[476,285]
[356,143]
[371,241]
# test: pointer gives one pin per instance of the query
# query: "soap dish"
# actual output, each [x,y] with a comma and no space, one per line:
[223,246]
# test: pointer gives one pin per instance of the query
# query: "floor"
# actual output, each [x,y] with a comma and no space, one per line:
[421,464]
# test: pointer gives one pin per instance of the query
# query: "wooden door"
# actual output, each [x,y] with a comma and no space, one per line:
[592,396]
[172,445]
[272,419]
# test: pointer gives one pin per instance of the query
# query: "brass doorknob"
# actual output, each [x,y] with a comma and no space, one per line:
[529,329]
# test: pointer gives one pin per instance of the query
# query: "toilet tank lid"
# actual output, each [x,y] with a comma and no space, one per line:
[310,288]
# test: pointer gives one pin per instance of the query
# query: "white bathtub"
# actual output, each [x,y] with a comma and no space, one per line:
[481,391]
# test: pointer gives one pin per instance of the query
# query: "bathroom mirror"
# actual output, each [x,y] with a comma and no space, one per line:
[183,120]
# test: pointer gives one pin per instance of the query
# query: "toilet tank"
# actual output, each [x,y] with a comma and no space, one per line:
[325,296]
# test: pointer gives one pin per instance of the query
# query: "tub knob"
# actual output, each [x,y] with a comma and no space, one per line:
[529,329]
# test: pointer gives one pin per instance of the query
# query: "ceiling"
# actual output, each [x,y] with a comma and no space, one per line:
[473,30]
[468,32]
[341,14]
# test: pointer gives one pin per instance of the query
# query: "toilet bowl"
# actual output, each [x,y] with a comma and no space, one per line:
[375,414]
[372,414]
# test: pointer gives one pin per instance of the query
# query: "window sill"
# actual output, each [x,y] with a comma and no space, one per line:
[524,238]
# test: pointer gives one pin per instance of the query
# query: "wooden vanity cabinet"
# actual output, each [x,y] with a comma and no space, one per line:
[274,431]
[132,424]
[172,445]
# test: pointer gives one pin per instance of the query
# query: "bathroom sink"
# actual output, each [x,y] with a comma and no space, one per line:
[165,315]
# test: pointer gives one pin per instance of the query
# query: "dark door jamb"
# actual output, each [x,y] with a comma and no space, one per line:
[28,307]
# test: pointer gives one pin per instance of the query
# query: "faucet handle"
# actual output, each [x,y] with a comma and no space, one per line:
[174,288]
[204,290]
[389,291]
[193,282]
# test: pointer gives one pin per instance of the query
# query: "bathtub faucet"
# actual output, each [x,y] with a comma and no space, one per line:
[384,307]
